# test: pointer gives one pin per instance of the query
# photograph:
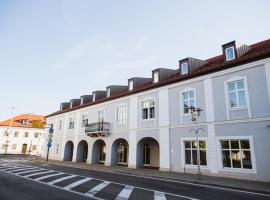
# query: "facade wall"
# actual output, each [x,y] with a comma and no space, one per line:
[38,141]
[171,127]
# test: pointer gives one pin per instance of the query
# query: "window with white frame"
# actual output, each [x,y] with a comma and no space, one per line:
[188,100]
[94,97]
[156,77]
[236,154]
[191,148]
[71,123]
[36,135]
[121,114]
[100,115]
[84,120]
[148,109]
[230,53]
[60,125]
[130,86]
[184,68]
[237,94]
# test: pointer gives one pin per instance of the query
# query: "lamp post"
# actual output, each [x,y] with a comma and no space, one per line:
[9,131]
[195,113]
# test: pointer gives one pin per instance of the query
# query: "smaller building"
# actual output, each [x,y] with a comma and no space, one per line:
[23,134]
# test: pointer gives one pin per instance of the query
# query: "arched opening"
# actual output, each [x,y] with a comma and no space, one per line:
[68,151]
[82,151]
[120,152]
[24,148]
[99,152]
[148,153]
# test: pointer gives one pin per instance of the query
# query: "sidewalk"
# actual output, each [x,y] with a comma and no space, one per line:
[255,186]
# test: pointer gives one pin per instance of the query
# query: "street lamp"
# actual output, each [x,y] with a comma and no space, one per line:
[195,113]
[9,131]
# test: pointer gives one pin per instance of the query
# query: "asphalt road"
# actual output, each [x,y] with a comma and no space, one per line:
[24,180]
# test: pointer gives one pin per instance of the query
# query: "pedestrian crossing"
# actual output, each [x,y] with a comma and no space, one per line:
[87,186]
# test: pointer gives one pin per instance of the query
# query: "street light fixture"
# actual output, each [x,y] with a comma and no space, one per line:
[195,113]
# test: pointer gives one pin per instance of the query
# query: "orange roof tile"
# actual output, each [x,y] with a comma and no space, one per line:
[16,121]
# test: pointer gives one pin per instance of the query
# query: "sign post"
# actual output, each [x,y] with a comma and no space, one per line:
[50,136]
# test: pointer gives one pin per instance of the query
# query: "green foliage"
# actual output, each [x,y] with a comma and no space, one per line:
[38,124]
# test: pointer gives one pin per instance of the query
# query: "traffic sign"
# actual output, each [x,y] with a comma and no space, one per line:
[49,144]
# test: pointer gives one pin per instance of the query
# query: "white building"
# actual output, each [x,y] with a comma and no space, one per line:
[24,135]
[147,123]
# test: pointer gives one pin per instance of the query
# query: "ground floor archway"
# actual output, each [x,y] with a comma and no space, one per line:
[82,151]
[68,153]
[120,152]
[148,153]
[99,152]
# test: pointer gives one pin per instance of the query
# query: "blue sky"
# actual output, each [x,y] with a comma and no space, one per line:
[52,51]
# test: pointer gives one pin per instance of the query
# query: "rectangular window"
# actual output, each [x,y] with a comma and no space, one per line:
[188,100]
[236,154]
[130,86]
[60,125]
[6,133]
[184,68]
[94,97]
[57,149]
[84,120]
[100,115]
[14,146]
[237,94]
[71,124]
[121,114]
[36,135]
[16,134]
[191,148]
[34,147]
[230,53]
[26,134]
[148,109]
[156,78]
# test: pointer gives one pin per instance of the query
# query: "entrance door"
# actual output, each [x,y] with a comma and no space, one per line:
[24,148]
[122,154]
[102,154]
[146,155]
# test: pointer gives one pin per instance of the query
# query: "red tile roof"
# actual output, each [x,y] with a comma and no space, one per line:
[16,121]
[258,51]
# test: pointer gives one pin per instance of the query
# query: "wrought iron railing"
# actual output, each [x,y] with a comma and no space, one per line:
[97,129]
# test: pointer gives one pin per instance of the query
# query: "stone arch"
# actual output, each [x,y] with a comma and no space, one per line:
[68,154]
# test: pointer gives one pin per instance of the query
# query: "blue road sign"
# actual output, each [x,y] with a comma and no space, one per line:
[49,144]
[51,130]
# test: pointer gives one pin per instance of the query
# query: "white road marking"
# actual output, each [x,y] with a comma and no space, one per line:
[48,176]
[7,168]
[21,169]
[25,172]
[97,188]
[61,179]
[159,195]
[125,193]
[39,173]
[75,184]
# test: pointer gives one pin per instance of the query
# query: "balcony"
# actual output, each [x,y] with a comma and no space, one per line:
[98,129]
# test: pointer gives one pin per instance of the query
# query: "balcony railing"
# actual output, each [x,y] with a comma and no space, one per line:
[97,129]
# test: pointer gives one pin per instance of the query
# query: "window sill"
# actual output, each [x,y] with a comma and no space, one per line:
[146,120]
[239,108]
[196,166]
[238,170]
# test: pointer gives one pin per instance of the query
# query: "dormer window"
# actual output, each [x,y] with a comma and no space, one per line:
[130,86]
[156,77]
[184,68]
[70,106]
[230,53]
[108,92]
[94,96]
[81,100]
[61,107]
